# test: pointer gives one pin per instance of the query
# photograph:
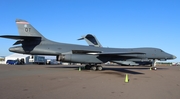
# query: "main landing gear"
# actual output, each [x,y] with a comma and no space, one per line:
[94,67]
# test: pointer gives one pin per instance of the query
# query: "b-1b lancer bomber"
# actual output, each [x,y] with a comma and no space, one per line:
[30,41]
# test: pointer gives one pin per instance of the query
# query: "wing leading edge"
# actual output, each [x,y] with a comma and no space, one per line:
[100,53]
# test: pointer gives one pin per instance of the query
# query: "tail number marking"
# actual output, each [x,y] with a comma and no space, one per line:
[27,29]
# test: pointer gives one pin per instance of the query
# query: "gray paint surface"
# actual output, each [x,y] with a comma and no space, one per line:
[32,42]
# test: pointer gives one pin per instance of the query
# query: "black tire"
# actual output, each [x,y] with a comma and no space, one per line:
[87,67]
[93,68]
[99,68]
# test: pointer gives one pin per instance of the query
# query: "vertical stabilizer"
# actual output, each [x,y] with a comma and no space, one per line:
[26,29]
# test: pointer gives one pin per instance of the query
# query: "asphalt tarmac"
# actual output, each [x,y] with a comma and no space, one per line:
[67,82]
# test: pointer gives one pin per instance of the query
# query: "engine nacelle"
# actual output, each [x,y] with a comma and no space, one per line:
[78,58]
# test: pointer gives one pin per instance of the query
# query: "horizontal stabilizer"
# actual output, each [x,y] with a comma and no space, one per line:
[21,37]
[18,42]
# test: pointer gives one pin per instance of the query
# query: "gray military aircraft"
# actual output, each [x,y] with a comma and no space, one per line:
[34,43]
[93,41]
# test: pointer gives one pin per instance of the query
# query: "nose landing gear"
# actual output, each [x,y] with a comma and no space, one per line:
[153,65]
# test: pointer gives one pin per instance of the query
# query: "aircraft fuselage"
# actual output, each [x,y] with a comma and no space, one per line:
[48,47]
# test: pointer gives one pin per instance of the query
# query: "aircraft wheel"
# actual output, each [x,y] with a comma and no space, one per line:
[87,67]
[99,68]
[93,68]
[154,68]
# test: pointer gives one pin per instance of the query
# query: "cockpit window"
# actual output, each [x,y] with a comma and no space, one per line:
[162,51]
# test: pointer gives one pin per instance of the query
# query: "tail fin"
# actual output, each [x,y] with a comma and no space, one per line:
[26,29]
[91,40]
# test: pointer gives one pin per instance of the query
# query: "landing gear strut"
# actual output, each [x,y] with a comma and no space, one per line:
[154,65]
[94,67]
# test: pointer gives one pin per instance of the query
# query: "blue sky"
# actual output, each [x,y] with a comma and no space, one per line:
[116,23]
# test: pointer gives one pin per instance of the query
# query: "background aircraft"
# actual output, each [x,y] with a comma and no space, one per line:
[93,41]
[34,43]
